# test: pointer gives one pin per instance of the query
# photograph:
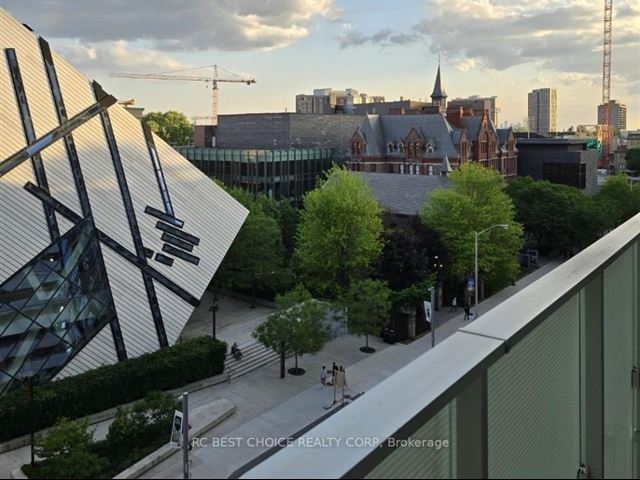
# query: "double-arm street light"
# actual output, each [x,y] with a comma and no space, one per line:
[476,235]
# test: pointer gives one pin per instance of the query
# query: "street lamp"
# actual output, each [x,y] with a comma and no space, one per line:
[213,309]
[476,235]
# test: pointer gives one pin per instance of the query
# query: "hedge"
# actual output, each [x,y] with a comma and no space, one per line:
[109,386]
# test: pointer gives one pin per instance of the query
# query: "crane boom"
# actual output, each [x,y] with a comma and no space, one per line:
[212,79]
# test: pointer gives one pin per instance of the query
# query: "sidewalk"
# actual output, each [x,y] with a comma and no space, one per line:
[289,405]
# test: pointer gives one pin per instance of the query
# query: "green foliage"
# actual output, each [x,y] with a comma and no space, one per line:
[339,234]
[410,254]
[368,304]
[109,386]
[68,449]
[256,259]
[558,217]
[618,201]
[298,322]
[632,158]
[173,127]
[131,427]
[475,201]
[66,452]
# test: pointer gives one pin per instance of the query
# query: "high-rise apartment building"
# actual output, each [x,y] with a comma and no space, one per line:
[543,110]
[327,100]
[618,118]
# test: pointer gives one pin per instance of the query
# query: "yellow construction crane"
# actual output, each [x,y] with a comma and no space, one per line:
[213,79]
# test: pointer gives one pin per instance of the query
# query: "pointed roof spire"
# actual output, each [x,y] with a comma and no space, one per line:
[438,89]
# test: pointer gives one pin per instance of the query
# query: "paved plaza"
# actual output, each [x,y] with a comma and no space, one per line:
[271,408]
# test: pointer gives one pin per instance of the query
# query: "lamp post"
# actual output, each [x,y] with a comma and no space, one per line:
[476,235]
[213,309]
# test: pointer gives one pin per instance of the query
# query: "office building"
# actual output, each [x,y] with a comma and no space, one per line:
[543,110]
[559,160]
[618,119]
[109,237]
[327,100]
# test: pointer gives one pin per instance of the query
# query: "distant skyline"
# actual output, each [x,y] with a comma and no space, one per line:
[488,47]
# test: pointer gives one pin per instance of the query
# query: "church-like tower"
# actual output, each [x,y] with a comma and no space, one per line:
[439,96]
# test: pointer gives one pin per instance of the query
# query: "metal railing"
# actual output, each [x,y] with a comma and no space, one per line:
[543,385]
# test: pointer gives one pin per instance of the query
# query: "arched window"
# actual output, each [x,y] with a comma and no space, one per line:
[401,147]
[430,148]
[390,148]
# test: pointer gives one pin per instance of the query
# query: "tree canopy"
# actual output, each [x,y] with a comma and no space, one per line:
[475,201]
[618,200]
[632,157]
[173,127]
[339,233]
[558,217]
[256,259]
[368,304]
[297,323]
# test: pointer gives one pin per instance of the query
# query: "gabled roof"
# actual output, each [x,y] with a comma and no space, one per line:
[403,194]
[379,130]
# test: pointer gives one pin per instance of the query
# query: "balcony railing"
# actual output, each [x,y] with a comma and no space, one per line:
[544,385]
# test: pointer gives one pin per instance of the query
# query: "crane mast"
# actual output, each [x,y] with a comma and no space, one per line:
[606,85]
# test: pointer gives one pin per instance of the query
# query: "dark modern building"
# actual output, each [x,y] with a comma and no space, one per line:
[559,160]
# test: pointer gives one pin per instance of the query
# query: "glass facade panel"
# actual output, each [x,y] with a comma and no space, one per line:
[52,307]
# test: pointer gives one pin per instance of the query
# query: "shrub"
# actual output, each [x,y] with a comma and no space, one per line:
[109,386]
[66,452]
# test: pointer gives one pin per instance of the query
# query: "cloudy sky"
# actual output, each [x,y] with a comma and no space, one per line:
[381,47]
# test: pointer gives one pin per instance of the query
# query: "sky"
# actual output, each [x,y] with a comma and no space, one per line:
[380,47]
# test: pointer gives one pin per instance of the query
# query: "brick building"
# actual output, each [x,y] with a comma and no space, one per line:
[432,142]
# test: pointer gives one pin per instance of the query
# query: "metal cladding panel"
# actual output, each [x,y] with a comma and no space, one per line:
[132,305]
[112,169]
[99,352]
[22,216]
[102,186]
[534,401]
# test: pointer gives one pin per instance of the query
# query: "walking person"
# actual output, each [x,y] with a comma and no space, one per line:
[467,312]
[454,305]
[323,376]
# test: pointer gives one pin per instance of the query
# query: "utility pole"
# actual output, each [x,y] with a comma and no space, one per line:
[185,436]
[433,317]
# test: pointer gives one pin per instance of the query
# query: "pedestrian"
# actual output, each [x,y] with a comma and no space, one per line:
[323,376]
[454,305]
[467,312]
[344,376]
[334,369]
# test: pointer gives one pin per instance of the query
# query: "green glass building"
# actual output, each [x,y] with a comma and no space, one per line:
[279,174]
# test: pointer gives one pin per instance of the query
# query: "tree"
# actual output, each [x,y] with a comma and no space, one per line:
[256,259]
[66,451]
[368,304]
[339,234]
[558,217]
[632,157]
[173,127]
[409,254]
[619,201]
[475,201]
[296,326]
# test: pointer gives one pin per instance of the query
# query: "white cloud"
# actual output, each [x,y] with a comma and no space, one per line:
[177,24]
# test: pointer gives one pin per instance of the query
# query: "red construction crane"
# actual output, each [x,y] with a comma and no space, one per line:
[606,85]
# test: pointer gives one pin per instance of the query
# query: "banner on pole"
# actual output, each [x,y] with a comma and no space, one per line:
[176,430]
[428,311]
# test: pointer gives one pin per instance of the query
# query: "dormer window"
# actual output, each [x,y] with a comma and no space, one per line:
[401,147]
[390,148]
[430,148]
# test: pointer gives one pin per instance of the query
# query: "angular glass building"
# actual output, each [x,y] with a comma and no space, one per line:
[108,236]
